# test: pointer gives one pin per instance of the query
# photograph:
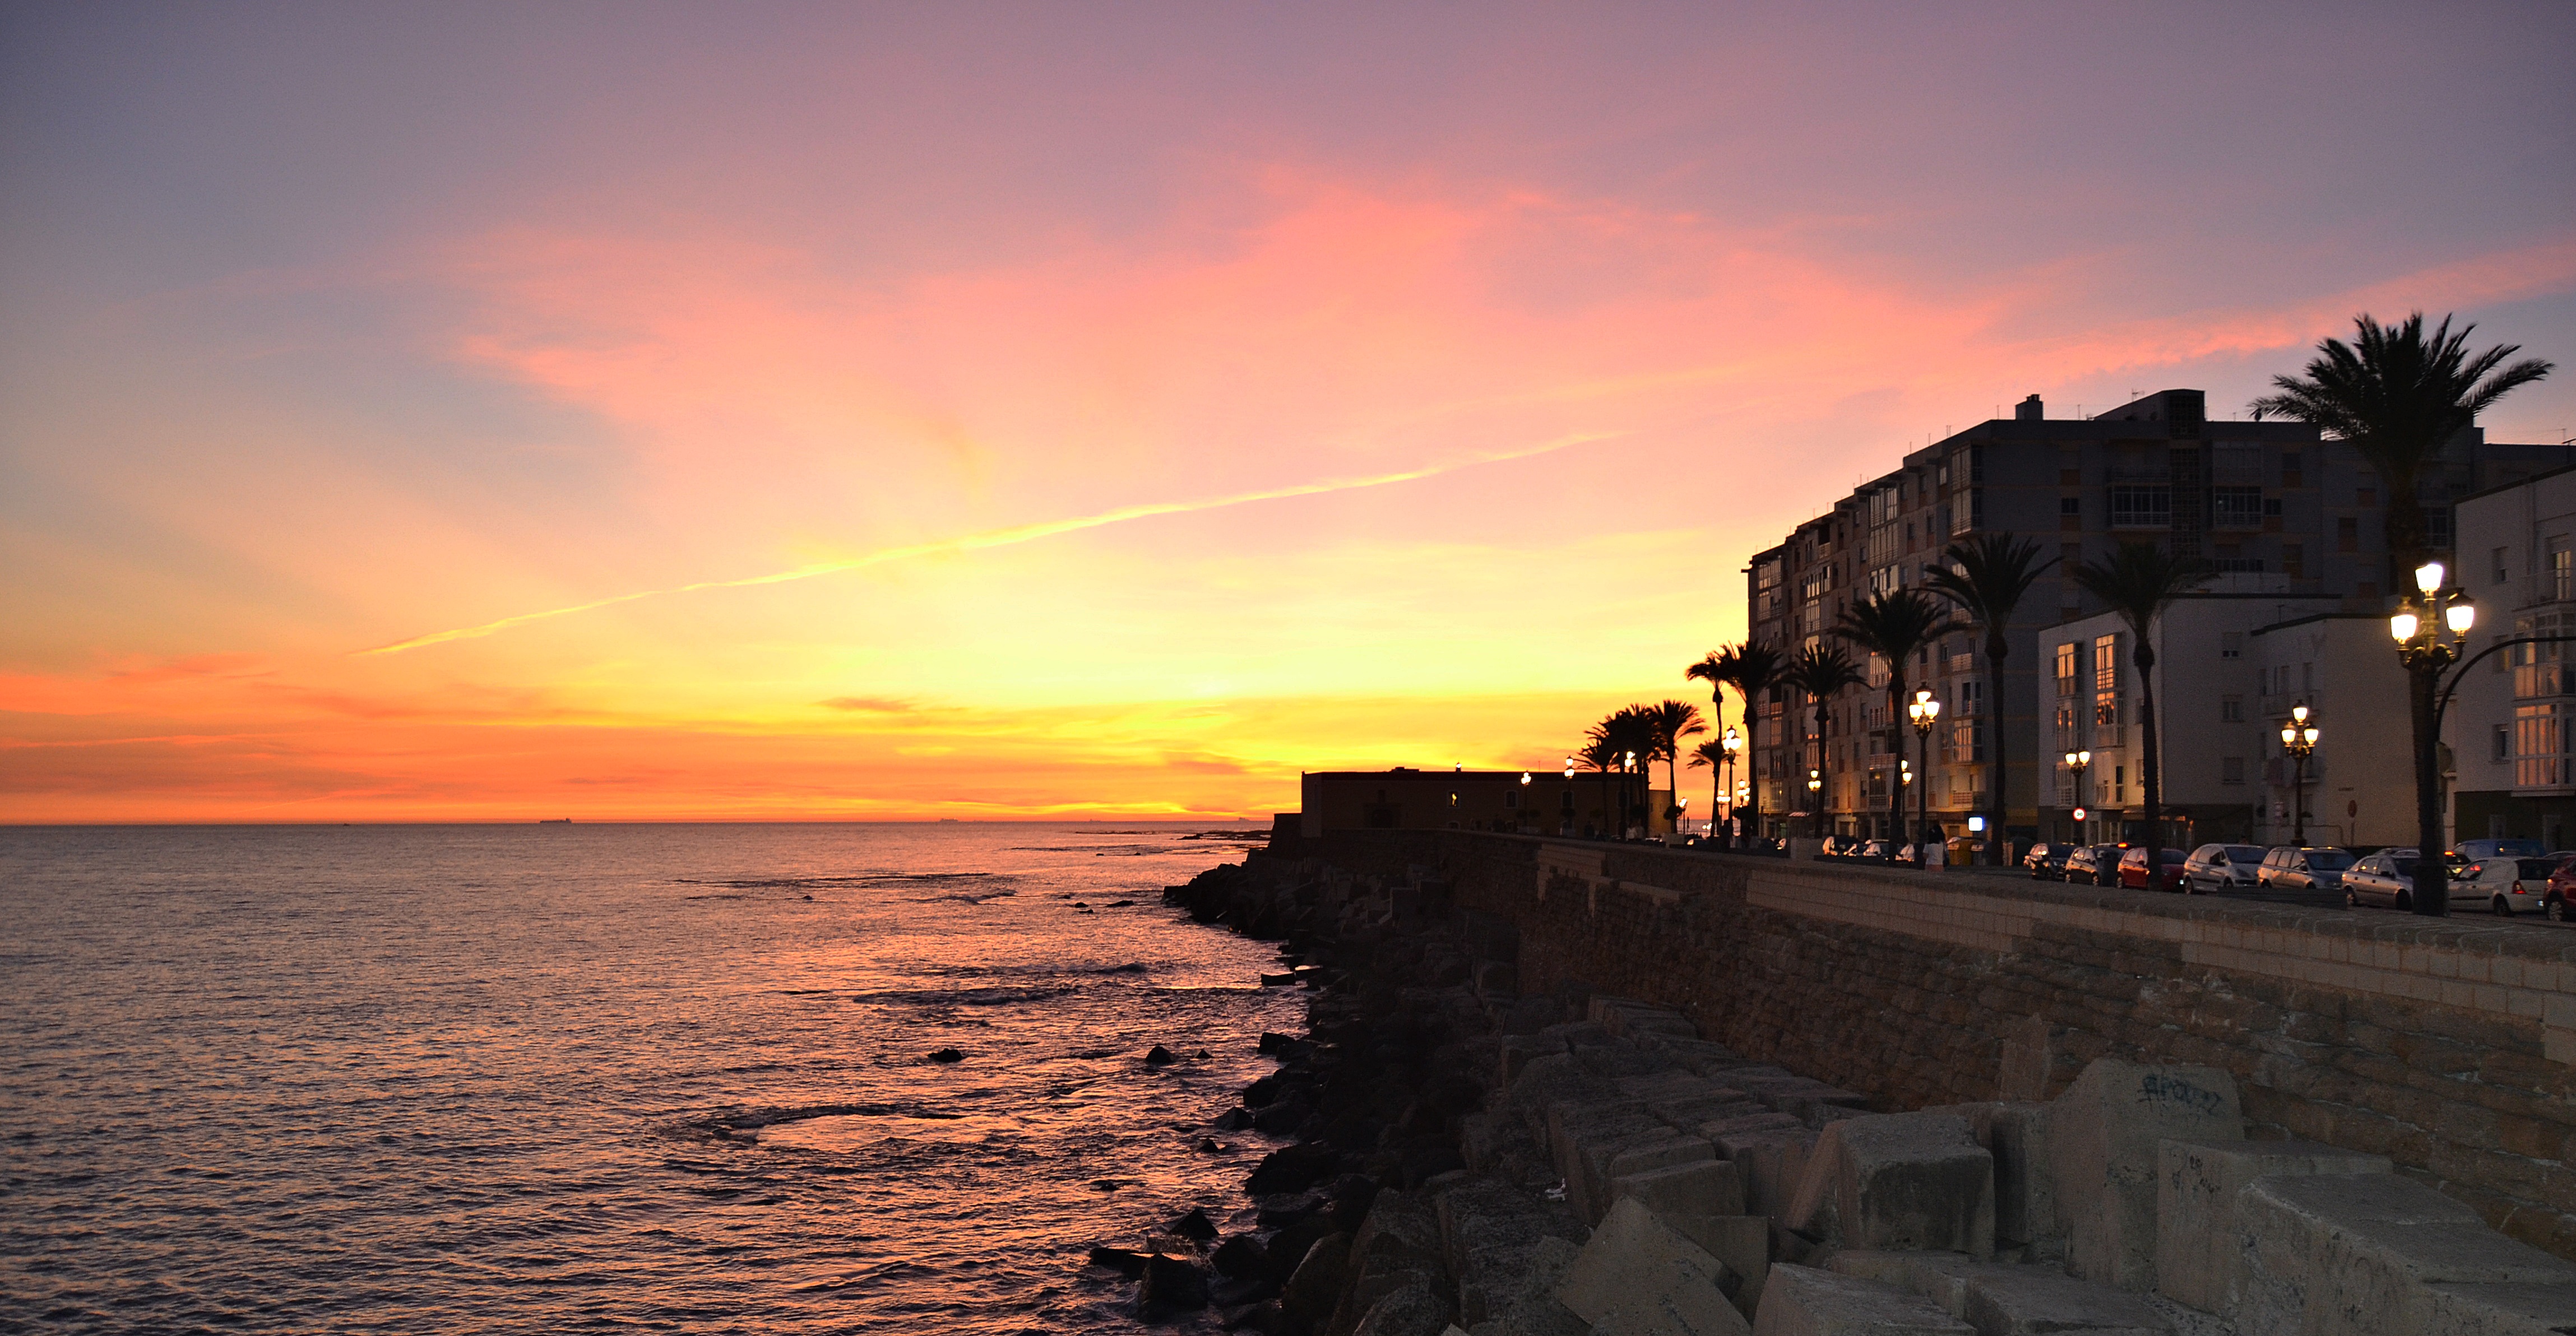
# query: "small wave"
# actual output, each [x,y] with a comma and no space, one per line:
[849,880]
[964,997]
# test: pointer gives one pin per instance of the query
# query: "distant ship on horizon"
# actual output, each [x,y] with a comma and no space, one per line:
[554,821]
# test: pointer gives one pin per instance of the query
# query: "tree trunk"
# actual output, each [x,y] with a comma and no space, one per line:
[1896,753]
[1752,828]
[2145,659]
[1996,648]
[2432,893]
[1824,794]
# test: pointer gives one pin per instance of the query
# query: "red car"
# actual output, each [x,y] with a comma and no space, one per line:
[2169,876]
[2558,903]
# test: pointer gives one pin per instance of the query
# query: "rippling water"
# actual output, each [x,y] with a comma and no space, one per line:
[544,1078]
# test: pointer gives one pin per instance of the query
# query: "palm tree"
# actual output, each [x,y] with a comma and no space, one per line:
[1756,668]
[2137,582]
[1600,752]
[1892,625]
[1712,754]
[1987,576]
[2397,397]
[1717,668]
[1667,723]
[1822,671]
[1625,732]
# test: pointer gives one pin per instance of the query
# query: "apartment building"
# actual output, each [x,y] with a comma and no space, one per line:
[2511,727]
[2278,513]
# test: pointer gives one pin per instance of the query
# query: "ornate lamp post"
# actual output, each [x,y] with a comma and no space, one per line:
[2076,761]
[1733,742]
[2419,626]
[1925,711]
[2298,742]
[1816,798]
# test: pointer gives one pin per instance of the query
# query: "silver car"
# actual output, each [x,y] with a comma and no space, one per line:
[2291,867]
[2388,878]
[2222,867]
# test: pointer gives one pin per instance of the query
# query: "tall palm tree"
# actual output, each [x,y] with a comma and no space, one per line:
[1717,668]
[1712,754]
[1987,576]
[1667,723]
[2397,396]
[1822,671]
[1626,731]
[2138,582]
[1756,668]
[1893,625]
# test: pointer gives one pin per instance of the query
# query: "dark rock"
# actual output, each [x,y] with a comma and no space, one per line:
[1194,1225]
[1352,1194]
[1120,904]
[1316,1285]
[1283,1118]
[1158,1056]
[948,1055]
[1285,1209]
[1276,1043]
[1241,1255]
[1292,1169]
[1211,1146]
[1260,1317]
[1125,1261]
[1261,1092]
[1233,1120]
[1172,1283]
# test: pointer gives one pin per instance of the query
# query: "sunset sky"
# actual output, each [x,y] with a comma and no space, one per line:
[427,412]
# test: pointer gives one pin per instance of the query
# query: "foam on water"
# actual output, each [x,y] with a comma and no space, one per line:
[532,1078]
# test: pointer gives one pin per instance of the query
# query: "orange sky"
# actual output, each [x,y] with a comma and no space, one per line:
[609,416]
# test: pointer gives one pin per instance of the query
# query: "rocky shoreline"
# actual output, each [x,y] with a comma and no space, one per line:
[1467,1159]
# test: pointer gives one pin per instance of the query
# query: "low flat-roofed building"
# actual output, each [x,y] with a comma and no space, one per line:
[1529,802]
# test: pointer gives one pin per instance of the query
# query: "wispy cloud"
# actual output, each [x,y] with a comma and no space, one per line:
[1021,533]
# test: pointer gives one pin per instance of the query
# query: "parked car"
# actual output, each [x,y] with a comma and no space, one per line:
[2047,862]
[2168,873]
[2478,851]
[2093,865]
[2291,867]
[2558,901]
[2222,867]
[1877,849]
[2508,885]
[2388,878]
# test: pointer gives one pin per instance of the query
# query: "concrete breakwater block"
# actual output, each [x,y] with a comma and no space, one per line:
[1699,1187]
[1638,1275]
[1812,1102]
[1803,1301]
[1898,1181]
[2500,1310]
[2016,1135]
[2000,1299]
[2201,1244]
[1772,1160]
[2347,1254]
[2104,1138]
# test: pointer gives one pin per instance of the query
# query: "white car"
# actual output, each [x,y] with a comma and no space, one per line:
[2507,885]
[2388,878]
[2222,867]
[2290,867]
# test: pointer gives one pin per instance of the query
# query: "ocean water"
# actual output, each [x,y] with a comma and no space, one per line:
[561,1078]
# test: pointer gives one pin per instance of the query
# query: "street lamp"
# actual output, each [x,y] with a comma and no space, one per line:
[1816,798]
[2076,761]
[2419,627]
[1924,712]
[1733,742]
[2298,742]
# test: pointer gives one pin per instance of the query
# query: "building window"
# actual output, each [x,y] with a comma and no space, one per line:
[2294,560]
[2106,681]
[2503,743]
[2539,747]
[1971,699]
[2237,565]
[2231,644]
[2290,468]
[2070,506]
[2231,770]
[2562,576]
[2141,507]
[2347,534]
[2236,507]
[1512,799]
[2231,709]
[2497,571]
[2437,528]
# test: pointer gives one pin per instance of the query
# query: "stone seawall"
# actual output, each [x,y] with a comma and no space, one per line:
[2448,1046]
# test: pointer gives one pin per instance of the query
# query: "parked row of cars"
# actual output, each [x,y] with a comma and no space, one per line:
[1956,851]
[2509,876]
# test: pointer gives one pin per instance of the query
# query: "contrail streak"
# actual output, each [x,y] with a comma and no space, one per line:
[1022,533]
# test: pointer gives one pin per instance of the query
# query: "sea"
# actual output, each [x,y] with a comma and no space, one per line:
[575,1077]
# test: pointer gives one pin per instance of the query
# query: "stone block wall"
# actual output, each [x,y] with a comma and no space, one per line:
[2447,1045]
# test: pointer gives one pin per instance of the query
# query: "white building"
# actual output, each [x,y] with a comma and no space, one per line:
[2511,724]
[2212,715]
[2361,782]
